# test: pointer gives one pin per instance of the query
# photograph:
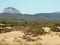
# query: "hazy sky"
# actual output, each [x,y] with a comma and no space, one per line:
[32,6]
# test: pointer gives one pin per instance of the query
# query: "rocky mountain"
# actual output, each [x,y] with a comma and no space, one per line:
[10,14]
[11,10]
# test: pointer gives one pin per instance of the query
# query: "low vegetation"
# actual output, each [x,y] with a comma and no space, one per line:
[55,29]
[34,27]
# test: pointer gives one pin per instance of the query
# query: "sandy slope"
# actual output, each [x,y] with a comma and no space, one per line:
[49,39]
[9,36]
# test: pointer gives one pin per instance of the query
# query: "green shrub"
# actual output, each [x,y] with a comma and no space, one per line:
[55,29]
[36,31]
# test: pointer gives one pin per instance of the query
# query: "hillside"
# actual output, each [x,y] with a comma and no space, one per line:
[41,17]
[14,14]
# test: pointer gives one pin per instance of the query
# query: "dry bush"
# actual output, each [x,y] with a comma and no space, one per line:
[37,43]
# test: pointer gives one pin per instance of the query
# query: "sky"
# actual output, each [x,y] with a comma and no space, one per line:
[32,6]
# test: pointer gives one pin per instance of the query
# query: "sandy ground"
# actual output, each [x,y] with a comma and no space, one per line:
[9,36]
[49,39]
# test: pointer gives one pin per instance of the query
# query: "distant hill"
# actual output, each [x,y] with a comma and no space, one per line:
[14,14]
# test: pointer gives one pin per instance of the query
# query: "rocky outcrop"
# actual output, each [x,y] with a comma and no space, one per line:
[11,10]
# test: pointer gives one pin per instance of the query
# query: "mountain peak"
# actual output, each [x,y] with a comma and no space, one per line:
[11,10]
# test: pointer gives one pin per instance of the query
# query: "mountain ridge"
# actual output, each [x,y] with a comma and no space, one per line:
[39,17]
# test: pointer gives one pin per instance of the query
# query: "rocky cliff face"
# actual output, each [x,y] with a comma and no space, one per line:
[11,10]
